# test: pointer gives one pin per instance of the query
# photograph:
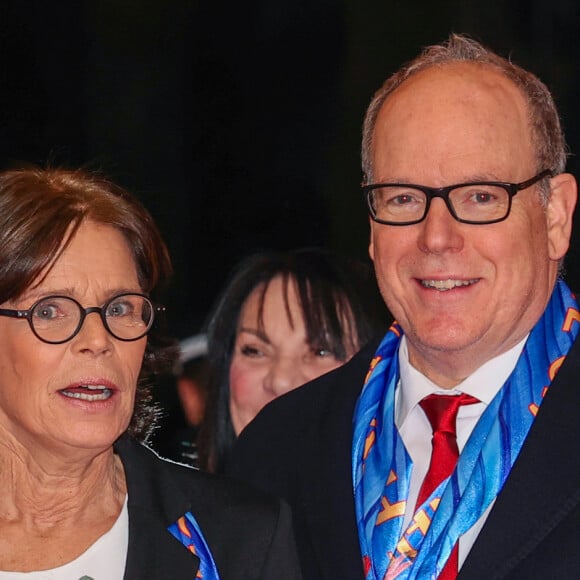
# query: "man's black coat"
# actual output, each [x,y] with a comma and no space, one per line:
[299,448]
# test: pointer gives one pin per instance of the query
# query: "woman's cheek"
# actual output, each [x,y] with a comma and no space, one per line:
[245,385]
[247,397]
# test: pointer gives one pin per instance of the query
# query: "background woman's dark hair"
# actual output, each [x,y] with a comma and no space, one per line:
[40,211]
[341,307]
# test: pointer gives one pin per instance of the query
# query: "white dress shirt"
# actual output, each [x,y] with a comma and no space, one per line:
[415,428]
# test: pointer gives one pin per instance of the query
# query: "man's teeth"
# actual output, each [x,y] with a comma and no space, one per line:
[103,394]
[444,285]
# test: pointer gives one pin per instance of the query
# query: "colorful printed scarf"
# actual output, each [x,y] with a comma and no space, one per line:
[188,532]
[382,466]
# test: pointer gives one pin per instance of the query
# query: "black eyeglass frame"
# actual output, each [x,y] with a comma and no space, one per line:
[27,315]
[443,192]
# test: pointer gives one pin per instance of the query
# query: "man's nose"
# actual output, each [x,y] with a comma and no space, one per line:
[440,231]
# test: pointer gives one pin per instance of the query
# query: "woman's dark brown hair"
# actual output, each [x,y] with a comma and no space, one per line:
[40,211]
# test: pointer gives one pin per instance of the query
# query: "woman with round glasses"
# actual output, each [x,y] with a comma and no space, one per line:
[81,496]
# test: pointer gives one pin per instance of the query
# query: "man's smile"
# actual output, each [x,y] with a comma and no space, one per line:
[449,284]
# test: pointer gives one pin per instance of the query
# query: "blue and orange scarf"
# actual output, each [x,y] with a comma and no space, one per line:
[187,531]
[382,466]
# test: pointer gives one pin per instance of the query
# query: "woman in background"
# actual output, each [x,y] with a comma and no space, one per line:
[283,320]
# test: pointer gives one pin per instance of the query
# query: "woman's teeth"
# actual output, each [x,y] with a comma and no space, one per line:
[83,393]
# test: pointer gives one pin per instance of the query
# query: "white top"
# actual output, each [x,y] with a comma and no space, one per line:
[415,428]
[104,560]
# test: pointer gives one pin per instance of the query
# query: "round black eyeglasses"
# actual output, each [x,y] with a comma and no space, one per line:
[58,319]
[480,202]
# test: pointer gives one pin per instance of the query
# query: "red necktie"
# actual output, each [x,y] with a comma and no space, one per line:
[441,410]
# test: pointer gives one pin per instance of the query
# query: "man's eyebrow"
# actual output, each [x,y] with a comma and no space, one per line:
[475,178]
[256,332]
[482,177]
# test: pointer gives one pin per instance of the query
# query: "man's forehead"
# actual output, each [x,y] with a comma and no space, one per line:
[464,118]
[457,80]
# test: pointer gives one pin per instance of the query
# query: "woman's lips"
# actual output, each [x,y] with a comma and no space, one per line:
[89,390]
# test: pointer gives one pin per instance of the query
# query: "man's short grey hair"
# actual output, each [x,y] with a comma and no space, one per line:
[549,142]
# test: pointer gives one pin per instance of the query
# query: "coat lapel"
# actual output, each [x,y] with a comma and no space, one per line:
[543,486]
[154,503]
[328,495]
[154,553]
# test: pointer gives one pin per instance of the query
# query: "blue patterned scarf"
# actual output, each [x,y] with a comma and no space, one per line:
[187,531]
[382,466]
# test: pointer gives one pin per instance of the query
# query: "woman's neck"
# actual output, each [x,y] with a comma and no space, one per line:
[44,489]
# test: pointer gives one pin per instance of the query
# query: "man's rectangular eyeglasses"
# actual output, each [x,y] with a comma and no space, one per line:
[483,202]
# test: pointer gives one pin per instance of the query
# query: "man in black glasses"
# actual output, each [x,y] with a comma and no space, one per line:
[448,447]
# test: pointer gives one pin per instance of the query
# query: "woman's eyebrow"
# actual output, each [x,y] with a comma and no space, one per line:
[256,332]
[34,294]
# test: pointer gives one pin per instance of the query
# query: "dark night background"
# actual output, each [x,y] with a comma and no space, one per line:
[237,123]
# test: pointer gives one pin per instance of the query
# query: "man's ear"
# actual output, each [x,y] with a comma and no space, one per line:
[371,243]
[559,212]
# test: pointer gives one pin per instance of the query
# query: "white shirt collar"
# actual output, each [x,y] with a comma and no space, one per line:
[483,384]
